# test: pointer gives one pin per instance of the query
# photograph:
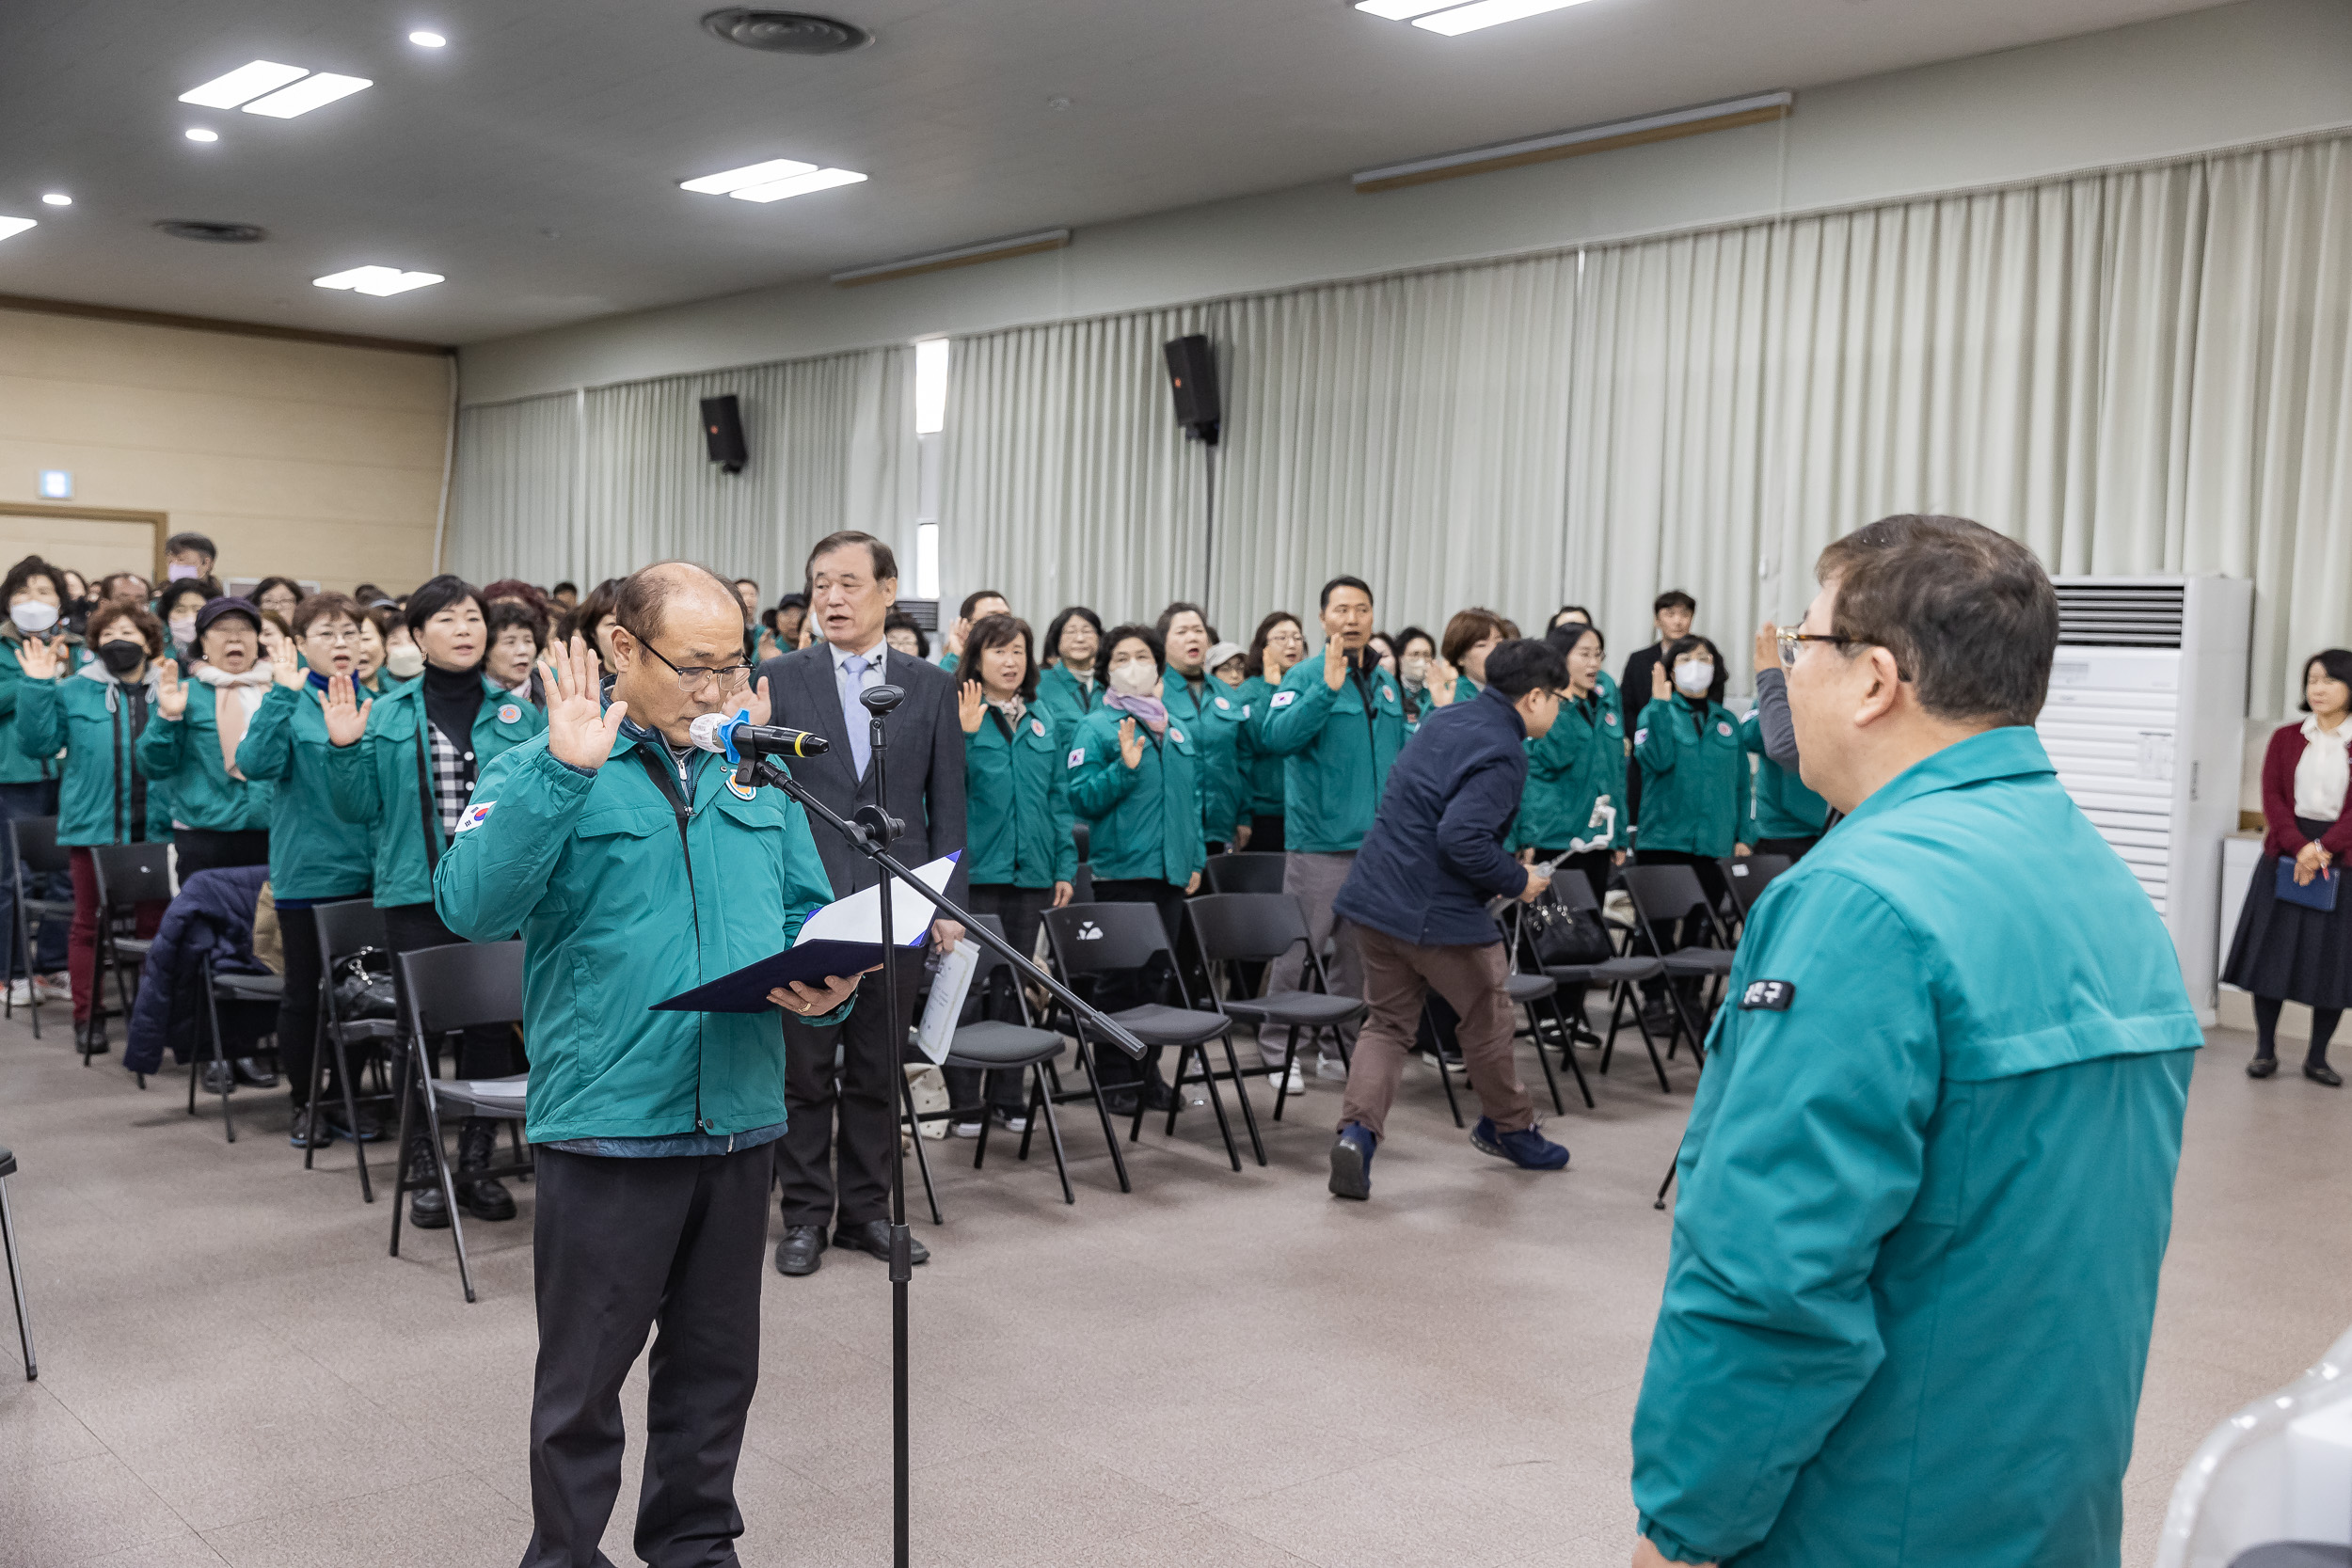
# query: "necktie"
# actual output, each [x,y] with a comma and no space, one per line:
[853,712]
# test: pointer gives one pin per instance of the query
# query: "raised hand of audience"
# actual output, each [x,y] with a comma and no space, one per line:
[1439,681]
[346,716]
[971,707]
[577,733]
[1130,743]
[42,660]
[1334,663]
[1660,686]
[284,667]
[1767,647]
[171,693]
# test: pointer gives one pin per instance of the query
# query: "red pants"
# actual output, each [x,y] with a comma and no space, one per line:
[80,956]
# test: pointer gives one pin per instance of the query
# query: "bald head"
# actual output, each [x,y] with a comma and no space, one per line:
[645,599]
[674,615]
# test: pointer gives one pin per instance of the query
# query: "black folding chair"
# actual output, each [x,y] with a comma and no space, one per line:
[16,1267]
[1096,940]
[1244,871]
[32,843]
[1663,894]
[346,928]
[126,876]
[459,987]
[1246,932]
[1747,877]
[1002,1045]
[1537,991]
[1621,971]
[255,991]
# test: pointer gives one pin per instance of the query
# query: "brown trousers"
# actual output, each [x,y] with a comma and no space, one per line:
[1397,977]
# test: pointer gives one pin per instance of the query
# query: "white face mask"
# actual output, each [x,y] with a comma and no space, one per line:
[33,616]
[1416,669]
[179,571]
[1136,678]
[406,661]
[1695,677]
[184,628]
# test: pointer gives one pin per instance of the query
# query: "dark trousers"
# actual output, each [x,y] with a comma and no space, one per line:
[195,849]
[844,1115]
[620,1246]
[1265,834]
[1021,910]
[487,1051]
[37,798]
[1690,932]
[298,1012]
[82,942]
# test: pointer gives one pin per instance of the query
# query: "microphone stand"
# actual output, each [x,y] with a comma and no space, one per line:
[870,833]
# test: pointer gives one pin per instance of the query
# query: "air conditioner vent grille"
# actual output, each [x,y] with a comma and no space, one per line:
[2120,615]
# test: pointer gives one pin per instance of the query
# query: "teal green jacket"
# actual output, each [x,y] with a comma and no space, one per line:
[376,782]
[97,795]
[1017,803]
[1575,781]
[1066,702]
[313,853]
[185,752]
[1142,822]
[1924,1193]
[621,906]
[17,766]
[1213,724]
[1694,778]
[1781,805]
[1336,748]
[1261,768]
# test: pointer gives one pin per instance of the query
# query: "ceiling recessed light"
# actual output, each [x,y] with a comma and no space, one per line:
[307,94]
[57,198]
[246,81]
[1400,10]
[728,181]
[377,280]
[1488,13]
[799,185]
[17,226]
[197,133]
[427,41]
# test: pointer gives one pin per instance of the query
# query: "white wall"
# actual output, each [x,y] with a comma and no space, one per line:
[2208,79]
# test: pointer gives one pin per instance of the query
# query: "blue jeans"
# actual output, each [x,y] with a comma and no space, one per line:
[19,801]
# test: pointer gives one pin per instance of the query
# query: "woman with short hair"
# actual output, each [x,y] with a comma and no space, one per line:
[1279,643]
[1066,688]
[1470,635]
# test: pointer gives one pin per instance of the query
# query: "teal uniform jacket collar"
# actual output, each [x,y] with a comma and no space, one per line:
[2009,751]
[1017,802]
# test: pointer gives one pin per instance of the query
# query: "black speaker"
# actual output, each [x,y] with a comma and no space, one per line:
[1192,376]
[722,432]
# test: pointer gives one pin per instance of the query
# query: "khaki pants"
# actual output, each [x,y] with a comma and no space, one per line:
[1397,975]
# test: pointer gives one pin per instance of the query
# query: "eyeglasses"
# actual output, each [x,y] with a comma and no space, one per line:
[321,634]
[694,676]
[1791,641]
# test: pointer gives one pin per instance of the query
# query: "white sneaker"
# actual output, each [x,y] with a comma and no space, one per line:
[1295,1085]
[54,988]
[21,994]
[1332,1067]
[964,1128]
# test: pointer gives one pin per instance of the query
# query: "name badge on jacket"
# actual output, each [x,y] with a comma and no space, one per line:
[1772,996]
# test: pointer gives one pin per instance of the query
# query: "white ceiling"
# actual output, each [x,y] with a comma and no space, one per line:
[534,160]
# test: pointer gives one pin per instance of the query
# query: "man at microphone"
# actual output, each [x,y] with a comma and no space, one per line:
[636,868]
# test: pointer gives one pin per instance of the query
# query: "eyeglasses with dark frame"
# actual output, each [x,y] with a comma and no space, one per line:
[692,678]
[1792,642]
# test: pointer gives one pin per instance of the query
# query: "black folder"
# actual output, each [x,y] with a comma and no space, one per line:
[746,990]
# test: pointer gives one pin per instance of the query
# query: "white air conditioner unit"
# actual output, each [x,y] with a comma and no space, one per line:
[2145,722]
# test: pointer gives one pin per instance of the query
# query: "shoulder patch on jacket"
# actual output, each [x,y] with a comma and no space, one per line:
[1722,728]
[1176,735]
[1222,702]
[1283,699]
[1388,694]
[1608,718]
[1640,735]
[1772,996]
[474,815]
[1039,725]
[1077,755]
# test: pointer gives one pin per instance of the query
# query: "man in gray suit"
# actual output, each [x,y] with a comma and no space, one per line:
[845,1118]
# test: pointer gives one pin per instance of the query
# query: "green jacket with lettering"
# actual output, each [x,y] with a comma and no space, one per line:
[1017,802]
[381,781]
[1575,781]
[99,796]
[1336,748]
[621,903]
[1142,822]
[1924,1195]
[1695,778]
[313,853]
[185,752]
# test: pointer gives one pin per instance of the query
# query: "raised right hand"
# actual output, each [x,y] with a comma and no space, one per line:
[577,733]
[1767,647]
[284,667]
[1272,669]
[1439,683]
[41,660]
[956,631]
[1334,663]
[346,716]
[171,694]
[1661,687]
[971,707]
[1130,743]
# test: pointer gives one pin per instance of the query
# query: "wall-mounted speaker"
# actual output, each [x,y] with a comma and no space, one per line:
[722,432]
[1192,376]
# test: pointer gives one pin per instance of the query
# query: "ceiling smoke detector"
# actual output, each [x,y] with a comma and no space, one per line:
[214,233]
[786,32]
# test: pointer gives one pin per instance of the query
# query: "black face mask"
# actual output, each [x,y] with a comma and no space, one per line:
[121,657]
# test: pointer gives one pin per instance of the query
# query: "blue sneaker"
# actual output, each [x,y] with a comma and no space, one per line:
[1351,1162]
[1528,1149]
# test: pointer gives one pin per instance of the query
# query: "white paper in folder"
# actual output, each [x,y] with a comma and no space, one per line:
[858,917]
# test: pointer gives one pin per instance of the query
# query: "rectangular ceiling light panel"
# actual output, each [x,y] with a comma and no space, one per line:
[1488,13]
[307,94]
[799,184]
[731,180]
[17,226]
[246,81]
[377,280]
[1400,10]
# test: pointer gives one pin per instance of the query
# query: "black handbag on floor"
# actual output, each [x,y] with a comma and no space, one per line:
[1559,935]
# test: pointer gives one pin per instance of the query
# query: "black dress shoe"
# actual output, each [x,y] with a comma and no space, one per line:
[873,1237]
[2320,1073]
[2262,1066]
[217,1078]
[485,1197]
[801,1251]
[253,1073]
[1121,1103]
[428,1209]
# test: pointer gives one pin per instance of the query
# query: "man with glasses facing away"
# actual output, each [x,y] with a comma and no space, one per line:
[845,1118]
[1927,1179]
[635,868]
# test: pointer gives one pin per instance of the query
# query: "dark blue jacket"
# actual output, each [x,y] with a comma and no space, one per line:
[1435,855]
[214,914]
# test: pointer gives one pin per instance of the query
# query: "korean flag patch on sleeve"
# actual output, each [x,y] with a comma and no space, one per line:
[1283,699]
[1077,755]
[1770,996]
[474,815]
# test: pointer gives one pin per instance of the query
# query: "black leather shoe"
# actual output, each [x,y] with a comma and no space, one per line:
[485,1197]
[428,1209]
[2320,1073]
[801,1251]
[311,1128]
[217,1078]
[1121,1103]
[251,1071]
[873,1237]
[2262,1066]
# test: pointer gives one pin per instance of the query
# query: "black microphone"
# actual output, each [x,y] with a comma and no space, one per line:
[733,735]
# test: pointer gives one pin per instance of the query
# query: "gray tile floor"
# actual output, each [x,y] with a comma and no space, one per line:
[1217,1369]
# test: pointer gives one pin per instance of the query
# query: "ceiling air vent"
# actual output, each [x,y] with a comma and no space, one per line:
[214,233]
[786,32]
[2120,613]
